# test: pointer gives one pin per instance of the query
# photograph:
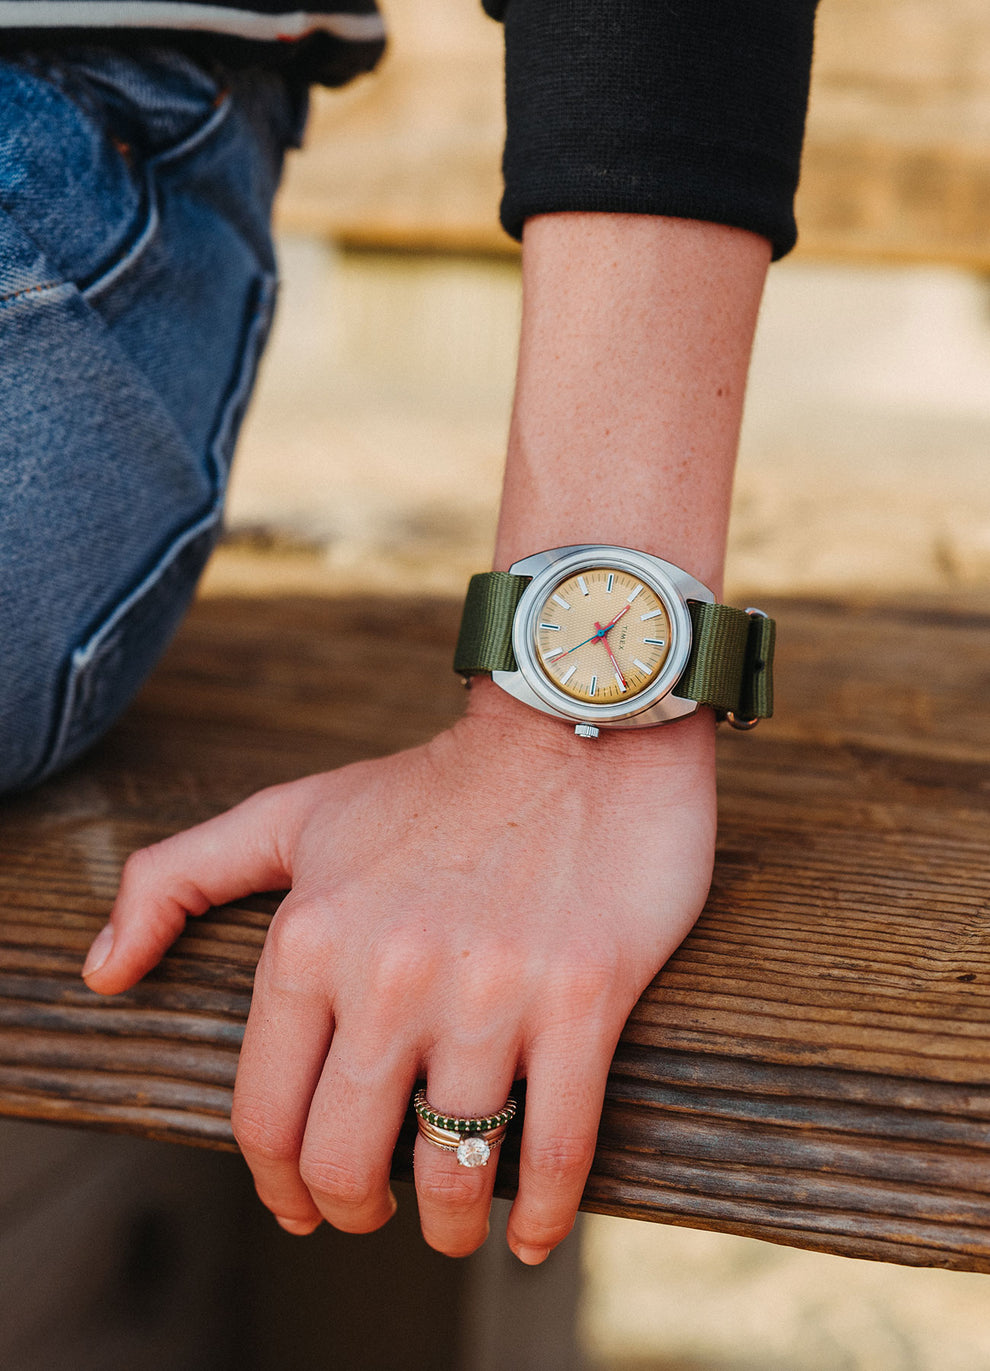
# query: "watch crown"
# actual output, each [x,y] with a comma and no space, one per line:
[586,730]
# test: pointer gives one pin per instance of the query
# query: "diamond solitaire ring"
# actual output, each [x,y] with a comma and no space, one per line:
[473,1140]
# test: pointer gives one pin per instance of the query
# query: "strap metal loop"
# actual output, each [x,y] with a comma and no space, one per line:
[732,719]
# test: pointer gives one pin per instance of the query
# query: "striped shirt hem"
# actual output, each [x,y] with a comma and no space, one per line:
[186,15]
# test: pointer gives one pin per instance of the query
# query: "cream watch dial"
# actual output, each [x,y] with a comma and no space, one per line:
[602,635]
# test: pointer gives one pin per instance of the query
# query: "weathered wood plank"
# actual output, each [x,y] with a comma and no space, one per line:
[812,1067]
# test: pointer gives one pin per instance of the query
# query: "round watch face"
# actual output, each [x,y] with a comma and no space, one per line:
[602,635]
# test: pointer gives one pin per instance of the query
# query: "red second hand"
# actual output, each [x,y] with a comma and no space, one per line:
[615,664]
[602,632]
[614,621]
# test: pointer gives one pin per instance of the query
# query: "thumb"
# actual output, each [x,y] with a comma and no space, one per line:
[235,854]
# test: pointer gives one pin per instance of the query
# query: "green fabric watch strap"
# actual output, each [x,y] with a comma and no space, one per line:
[731,662]
[730,667]
[485,640]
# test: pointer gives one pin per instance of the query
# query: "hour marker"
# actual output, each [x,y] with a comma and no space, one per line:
[656,642]
[593,688]
[567,675]
[653,614]
[583,584]
[563,603]
[634,594]
[642,665]
[557,652]
[608,583]
[555,627]
[622,684]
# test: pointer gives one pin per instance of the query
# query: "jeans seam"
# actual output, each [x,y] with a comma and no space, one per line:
[136,250]
[238,396]
[218,116]
[30,290]
[82,656]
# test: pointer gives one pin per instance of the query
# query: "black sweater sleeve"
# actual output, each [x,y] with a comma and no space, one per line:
[691,108]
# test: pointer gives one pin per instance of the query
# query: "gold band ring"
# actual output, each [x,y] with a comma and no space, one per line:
[473,1140]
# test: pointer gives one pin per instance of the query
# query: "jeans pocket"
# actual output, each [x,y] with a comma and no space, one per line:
[87,132]
[77,129]
[145,224]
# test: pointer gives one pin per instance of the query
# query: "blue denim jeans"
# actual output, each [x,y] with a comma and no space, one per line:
[137,281]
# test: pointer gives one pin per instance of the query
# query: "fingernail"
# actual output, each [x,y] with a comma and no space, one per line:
[299,1228]
[100,951]
[393,1201]
[532,1256]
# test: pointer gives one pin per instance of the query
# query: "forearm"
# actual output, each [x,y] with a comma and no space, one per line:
[636,338]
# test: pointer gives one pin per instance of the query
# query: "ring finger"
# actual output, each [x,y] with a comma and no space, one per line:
[454,1197]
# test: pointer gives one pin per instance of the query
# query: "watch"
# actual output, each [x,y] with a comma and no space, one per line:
[607,637]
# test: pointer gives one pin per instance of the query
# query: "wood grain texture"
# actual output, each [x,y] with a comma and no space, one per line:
[813,1065]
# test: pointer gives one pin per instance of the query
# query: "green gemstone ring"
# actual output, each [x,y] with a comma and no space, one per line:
[454,1124]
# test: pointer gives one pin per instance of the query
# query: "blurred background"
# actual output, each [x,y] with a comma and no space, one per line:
[373,453]
[374,448]
[371,460]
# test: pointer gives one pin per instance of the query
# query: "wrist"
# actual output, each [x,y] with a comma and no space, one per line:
[514,726]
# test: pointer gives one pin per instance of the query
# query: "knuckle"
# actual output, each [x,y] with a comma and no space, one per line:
[152,882]
[560,1161]
[581,994]
[297,943]
[139,870]
[490,977]
[259,1137]
[448,1190]
[338,1181]
[404,965]
[590,970]
[153,901]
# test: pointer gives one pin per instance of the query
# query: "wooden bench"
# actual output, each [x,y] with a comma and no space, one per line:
[813,1065]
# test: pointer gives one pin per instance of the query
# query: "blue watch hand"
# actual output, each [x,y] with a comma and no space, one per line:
[599,634]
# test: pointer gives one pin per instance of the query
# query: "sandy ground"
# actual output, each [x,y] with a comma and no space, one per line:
[675,1299]
[372,459]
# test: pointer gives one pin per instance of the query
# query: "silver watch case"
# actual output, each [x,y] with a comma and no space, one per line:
[655,705]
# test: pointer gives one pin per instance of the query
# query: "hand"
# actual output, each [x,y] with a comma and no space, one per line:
[444,921]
